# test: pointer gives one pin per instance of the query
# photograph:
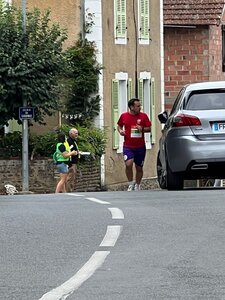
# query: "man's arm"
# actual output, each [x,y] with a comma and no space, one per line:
[146,129]
[120,130]
[143,129]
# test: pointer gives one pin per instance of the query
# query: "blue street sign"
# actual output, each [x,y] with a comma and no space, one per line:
[26,113]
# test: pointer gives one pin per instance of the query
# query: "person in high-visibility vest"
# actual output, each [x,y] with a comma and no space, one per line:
[71,140]
[63,158]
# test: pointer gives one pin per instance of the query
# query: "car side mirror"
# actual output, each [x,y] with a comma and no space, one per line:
[163,117]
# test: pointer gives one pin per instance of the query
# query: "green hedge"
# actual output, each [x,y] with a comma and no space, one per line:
[90,139]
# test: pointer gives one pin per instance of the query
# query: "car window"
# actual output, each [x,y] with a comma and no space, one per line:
[177,101]
[205,101]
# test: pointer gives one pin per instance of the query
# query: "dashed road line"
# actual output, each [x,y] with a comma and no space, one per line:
[74,195]
[111,236]
[116,213]
[95,261]
[68,287]
[98,201]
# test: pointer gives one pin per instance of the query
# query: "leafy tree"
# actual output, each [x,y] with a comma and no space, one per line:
[81,83]
[43,145]
[29,62]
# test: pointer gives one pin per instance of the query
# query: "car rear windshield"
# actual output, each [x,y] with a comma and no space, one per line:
[205,101]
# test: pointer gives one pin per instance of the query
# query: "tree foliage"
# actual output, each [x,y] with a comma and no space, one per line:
[82,100]
[30,62]
[43,145]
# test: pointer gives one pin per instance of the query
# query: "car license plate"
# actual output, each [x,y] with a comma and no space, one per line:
[218,127]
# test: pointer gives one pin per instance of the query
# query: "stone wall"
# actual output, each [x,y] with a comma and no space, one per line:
[43,175]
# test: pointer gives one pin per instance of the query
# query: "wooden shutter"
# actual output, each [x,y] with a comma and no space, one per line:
[141,91]
[115,113]
[144,19]
[129,89]
[152,112]
[120,15]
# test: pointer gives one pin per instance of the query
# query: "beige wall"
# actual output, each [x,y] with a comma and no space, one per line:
[121,58]
[66,13]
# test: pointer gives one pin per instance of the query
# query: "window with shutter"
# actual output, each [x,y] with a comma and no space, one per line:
[129,89]
[152,111]
[120,21]
[121,88]
[115,112]
[143,21]
[141,91]
[144,94]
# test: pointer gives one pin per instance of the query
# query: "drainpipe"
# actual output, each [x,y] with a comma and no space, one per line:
[82,19]
[162,56]
[101,113]
[135,50]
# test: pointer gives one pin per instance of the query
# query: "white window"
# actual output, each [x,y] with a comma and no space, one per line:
[146,93]
[121,93]
[143,21]
[120,22]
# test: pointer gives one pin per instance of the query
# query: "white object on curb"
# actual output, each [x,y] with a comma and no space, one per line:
[84,153]
[10,189]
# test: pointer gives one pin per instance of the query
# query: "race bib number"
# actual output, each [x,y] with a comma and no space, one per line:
[135,133]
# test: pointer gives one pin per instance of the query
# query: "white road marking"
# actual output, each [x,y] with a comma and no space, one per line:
[96,260]
[68,287]
[76,195]
[111,236]
[91,199]
[98,201]
[116,213]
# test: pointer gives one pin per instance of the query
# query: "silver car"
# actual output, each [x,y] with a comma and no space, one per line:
[192,145]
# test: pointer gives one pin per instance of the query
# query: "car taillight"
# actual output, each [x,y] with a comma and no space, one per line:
[185,120]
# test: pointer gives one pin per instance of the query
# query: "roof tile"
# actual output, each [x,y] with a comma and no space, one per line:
[193,12]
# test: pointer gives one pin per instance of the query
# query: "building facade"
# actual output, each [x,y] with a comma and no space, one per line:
[129,39]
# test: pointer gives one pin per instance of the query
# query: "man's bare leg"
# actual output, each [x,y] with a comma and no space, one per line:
[129,169]
[70,182]
[139,174]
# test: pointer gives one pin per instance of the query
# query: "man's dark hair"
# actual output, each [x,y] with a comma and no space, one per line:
[131,102]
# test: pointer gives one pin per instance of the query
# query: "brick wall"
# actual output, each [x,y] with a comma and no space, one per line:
[43,176]
[191,55]
[215,53]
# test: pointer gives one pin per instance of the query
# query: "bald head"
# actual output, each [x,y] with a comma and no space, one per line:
[73,133]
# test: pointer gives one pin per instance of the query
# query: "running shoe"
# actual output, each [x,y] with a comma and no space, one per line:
[130,188]
[137,187]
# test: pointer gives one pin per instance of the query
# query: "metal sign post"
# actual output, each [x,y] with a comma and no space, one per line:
[25,159]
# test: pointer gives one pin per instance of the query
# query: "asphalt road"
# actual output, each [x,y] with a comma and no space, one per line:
[113,246]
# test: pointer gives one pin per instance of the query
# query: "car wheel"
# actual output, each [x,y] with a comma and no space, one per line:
[174,180]
[161,173]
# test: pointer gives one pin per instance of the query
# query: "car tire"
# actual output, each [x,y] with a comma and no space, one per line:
[160,173]
[175,181]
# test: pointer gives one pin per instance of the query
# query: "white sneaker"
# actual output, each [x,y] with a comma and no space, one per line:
[130,188]
[137,187]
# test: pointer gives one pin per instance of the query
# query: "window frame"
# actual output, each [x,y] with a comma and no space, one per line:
[145,95]
[124,91]
[144,22]
[120,22]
